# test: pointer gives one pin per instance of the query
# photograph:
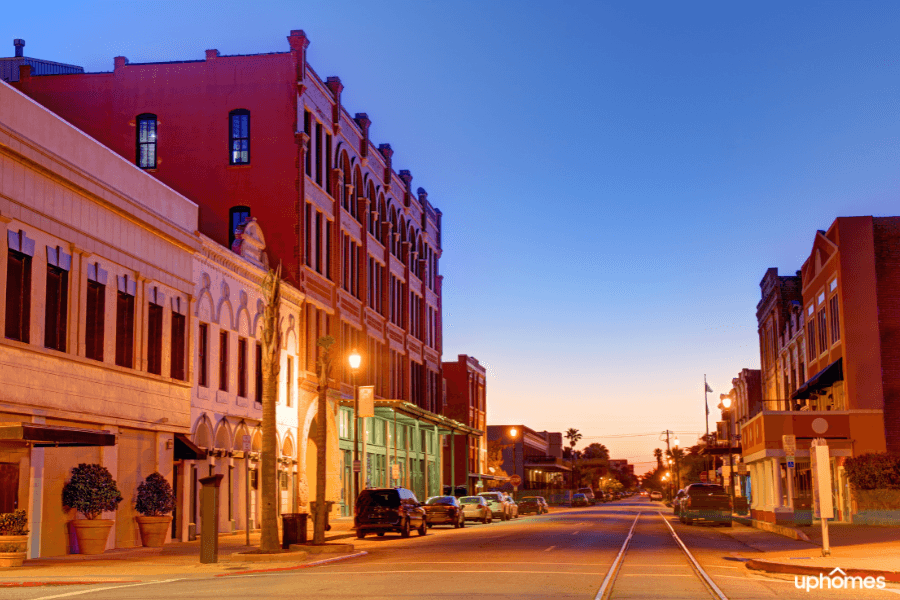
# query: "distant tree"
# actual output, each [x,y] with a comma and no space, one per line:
[595,450]
[573,436]
[495,458]
[658,455]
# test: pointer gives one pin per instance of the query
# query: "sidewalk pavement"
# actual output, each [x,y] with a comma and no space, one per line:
[176,559]
[857,550]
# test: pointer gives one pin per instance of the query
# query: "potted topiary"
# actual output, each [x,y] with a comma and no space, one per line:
[13,538]
[90,491]
[155,501]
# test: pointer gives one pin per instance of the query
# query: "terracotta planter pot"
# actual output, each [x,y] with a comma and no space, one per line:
[154,530]
[12,550]
[92,534]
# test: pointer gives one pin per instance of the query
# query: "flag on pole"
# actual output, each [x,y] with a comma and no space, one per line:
[708,389]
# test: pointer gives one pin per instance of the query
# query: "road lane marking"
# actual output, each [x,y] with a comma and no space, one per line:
[549,549]
[575,532]
[393,572]
[112,587]
[616,562]
[712,585]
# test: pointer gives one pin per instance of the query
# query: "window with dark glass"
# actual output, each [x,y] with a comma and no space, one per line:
[18,296]
[154,339]
[239,137]
[178,344]
[223,361]
[811,340]
[823,340]
[242,367]
[124,330]
[307,128]
[95,320]
[237,215]
[146,141]
[203,355]
[835,319]
[56,308]
[259,373]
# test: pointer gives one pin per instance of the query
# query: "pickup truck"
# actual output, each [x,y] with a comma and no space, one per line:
[705,502]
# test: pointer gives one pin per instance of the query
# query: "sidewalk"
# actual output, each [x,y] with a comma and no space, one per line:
[858,550]
[177,559]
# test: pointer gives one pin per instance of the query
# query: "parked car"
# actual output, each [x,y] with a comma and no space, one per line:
[589,494]
[500,508]
[532,504]
[475,508]
[676,502]
[706,502]
[380,510]
[444,510]
[544,505]
[459,491]
[654,495]
[513,507]
[580,500]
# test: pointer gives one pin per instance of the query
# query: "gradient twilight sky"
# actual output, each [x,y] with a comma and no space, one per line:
[615,178]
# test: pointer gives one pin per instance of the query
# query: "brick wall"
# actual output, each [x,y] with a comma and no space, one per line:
[887,265]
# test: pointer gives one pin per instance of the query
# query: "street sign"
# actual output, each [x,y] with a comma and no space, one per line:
[790,463]
[515,480]
[395,471]
[789,443]
[820,465]
[356,466]
[246,443]
[366,400]
[702,476]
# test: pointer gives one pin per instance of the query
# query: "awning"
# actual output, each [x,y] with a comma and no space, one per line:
[720,450]
[185,449]
[41,435]
[408,413]
[821,380]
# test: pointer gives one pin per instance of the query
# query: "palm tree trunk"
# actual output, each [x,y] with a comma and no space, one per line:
[323,416]
[271,366]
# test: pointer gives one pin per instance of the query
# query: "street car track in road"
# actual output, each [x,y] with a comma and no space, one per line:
[612,587]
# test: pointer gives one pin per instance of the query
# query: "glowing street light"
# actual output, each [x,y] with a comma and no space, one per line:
[355,360]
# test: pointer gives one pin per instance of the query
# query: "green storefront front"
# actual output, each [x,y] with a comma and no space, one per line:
[399,447]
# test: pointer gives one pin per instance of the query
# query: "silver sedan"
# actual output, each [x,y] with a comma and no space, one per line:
[475,508]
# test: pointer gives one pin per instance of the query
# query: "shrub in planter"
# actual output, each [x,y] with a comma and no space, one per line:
[13,538]
[90,491]
[155,500]
[874,471]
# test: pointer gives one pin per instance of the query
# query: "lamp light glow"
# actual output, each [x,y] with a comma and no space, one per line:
[355,359]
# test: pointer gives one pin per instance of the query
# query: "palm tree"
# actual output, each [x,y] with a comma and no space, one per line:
[271,365]
[324,365]
[573,436]
[658,455]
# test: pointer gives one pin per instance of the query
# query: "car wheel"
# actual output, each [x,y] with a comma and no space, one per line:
[360,533]
[404,529]
[380,534]
[484,520]
[456,525]
[729,524]
[430,525]
[462,523]
[688,521]
[423,529]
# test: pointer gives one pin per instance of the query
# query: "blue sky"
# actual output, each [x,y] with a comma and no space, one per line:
[615,178]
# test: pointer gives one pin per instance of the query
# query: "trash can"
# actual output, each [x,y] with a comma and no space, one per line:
[293,529]
[328,505]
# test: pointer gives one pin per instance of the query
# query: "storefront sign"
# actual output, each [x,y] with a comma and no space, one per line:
[366,400]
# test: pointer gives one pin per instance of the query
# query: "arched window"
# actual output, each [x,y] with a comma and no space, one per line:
[146,141]
[236,217]
[239,137]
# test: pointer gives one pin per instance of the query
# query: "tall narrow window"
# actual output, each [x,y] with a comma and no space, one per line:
[95,321]
[811,340]
[18,296]
[318,242]
[124,330]
[309,236]
[154,339]
[319,154]
[237,216]
[178,343]
[290,381]
[835,319]
[223,361]
[823,340]
[328,164]
[56,308]
[328,228]
[259,373]
[239,137]
[242,367]
[203,355]
[146,141]
[307,128]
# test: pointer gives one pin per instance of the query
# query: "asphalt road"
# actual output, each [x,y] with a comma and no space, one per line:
[566,554]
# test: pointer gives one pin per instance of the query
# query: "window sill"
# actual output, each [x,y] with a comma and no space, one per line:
[231,167]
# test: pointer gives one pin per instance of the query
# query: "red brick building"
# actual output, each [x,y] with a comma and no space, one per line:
[849,316]
[264,136]
[465,383]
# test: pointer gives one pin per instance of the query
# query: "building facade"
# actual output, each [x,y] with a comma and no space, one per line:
[535,456]
[465,457]
[264,136]
[849,306]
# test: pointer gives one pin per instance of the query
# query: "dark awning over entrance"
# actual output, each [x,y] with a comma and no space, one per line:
[821,380]
[185,449]
[41,435]
[720,450]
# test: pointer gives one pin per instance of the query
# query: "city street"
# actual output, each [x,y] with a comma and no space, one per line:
[569,553]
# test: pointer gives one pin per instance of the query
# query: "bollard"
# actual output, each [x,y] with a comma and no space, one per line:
[209,518]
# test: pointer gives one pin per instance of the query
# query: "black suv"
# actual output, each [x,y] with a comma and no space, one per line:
[388,509]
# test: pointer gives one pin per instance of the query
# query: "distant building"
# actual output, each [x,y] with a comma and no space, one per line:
[465,456]
[9,66]
[536,457]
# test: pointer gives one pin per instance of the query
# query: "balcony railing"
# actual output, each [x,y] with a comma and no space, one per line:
[791,405]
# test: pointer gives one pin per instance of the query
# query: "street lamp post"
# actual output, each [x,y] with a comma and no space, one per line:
[726,404]
[355,359]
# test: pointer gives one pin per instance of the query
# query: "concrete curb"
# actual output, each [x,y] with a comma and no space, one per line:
[296,567]
[789,569]
[784,530]
[291,555]
[24,584]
